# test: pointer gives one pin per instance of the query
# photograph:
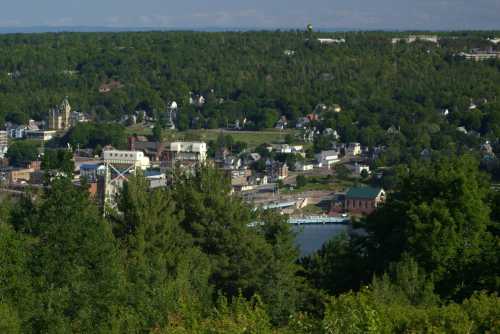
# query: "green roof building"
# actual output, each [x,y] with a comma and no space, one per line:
[364,200]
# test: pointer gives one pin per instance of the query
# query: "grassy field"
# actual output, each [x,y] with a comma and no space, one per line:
[252,138]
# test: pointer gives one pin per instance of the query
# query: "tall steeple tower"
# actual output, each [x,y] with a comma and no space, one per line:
[65,110]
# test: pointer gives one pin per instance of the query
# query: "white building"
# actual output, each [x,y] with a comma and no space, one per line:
[4,143]
[17,132]
[331,40]
[480,55]
[359,168]
[288,149]
[303,166]
[192,151]
[414,38]
[353,149]
[126,158]
[327,158]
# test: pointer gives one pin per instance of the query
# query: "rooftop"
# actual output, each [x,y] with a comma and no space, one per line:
[363,192]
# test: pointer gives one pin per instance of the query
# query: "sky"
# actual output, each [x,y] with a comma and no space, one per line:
[255,14]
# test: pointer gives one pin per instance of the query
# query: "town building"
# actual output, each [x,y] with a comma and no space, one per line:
[359,168]
[415,38]
[59,117]
[288,149]
[91,171]
[276,171]
[364,200]
[153,150]
[282,123]
[43,135]
[232,162]
[480,55]
[77,117]
[327,158]
[190,151]
[303,166]
[353,149]
[155,179]
[20,175]
[17,132]
[331,40]
[4,143]
[128,159]
[119,165]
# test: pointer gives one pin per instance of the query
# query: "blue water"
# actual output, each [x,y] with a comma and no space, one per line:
[310,238]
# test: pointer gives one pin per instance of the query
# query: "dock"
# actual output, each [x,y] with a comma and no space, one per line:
[319,220]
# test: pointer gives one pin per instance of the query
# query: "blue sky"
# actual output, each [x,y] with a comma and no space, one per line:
[267,14]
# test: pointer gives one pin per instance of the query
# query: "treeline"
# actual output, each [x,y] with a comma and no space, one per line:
[194,259]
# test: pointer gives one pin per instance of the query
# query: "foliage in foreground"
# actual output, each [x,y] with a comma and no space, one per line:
[186,260]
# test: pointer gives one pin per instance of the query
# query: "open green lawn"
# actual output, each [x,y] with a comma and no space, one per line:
[252,138]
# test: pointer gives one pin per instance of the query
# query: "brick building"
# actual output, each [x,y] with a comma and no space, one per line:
[364,200]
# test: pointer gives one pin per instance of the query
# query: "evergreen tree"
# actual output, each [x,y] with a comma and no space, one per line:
[77,271]
[165,272]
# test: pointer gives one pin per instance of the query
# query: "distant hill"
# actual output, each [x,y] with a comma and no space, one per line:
[49,29]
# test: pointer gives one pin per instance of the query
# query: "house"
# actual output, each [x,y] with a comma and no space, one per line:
[254,157]
[282,123]
[313,117]
[327,158]
[197,100]
[353,149]
[303,166]
[77,117]
[231,162]
[302,122]
[288,149]
[392,130]
[109,86]
[331,132]
[359,168]
[276,171]
[364,200]
[153,150]
[221,154]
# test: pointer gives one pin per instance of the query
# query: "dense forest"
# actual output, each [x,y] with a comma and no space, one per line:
[194,259]
[261,76]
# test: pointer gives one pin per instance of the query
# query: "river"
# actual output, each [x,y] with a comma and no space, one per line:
[310,238]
